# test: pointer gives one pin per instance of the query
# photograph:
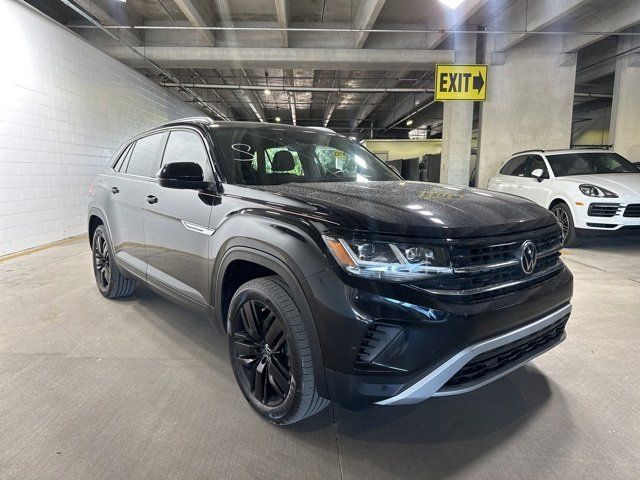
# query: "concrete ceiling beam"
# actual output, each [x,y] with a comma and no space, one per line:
[198,15]
[282,12]
[366,17]
[614,16]
[451,19]
[110,17]
[301,58]
[529,16]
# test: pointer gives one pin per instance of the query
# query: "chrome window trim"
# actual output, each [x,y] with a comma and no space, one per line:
[429,385]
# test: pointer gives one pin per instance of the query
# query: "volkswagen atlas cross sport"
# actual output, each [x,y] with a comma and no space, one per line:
[332,278]
[585,189]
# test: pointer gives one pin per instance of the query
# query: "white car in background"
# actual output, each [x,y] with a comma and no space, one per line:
[585,189]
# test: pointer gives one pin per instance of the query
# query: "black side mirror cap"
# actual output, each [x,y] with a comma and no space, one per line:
[185,176]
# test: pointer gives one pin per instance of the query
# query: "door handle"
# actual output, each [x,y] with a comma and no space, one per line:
[114,190]
[152,199]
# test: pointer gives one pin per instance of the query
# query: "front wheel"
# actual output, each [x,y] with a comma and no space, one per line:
[565,219]
[270,352]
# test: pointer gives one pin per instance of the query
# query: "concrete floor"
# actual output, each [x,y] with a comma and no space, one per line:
[140,388]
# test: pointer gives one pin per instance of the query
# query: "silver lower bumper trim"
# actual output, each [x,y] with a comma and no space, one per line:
[430,385]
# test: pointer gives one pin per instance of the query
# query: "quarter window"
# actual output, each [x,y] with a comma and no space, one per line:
[515,166]
[145,158]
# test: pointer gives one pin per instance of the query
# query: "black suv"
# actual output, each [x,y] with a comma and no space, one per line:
[332,277]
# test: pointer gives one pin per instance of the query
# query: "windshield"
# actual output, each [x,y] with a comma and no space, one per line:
[589,163]
[273,156]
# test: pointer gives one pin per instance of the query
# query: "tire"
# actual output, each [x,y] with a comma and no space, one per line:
[270,352]
[565,219]
[111,282]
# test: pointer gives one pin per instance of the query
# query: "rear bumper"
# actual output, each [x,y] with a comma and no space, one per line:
[435,383]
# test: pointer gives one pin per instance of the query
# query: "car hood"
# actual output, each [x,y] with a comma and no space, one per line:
[417,208]
[623,184]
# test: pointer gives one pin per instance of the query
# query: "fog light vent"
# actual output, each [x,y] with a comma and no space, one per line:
[378,336]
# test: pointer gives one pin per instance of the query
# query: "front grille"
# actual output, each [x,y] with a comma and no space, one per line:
[491,267]
[632,210]
[480,254]
[500,358]
[603,209]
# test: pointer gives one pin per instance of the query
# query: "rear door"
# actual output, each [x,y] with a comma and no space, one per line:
[177,229]
[509,178]
[128,190]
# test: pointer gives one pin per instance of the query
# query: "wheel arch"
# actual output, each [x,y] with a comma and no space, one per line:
[265,263]
[96,217]
[560,199]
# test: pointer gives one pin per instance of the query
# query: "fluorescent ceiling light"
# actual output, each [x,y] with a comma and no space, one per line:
[452,4]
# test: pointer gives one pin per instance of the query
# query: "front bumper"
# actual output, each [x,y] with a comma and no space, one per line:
[604,215]
[428,339]
[435,382]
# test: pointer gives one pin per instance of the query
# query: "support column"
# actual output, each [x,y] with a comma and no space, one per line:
[625,111]
[457,123]
[529,104]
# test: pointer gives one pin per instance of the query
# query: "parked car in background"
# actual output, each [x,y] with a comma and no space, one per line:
[585,189]
[332,277]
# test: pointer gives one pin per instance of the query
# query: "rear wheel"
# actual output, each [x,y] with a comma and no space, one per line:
[270,352]
[565,219]
[110,280]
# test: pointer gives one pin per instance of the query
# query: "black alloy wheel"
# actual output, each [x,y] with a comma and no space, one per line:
[111,282]
[102,262]
[262,352]
[270,349]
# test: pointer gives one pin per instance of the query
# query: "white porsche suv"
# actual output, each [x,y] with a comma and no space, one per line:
[585,189]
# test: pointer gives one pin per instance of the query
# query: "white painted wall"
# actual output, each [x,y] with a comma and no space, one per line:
[64,109]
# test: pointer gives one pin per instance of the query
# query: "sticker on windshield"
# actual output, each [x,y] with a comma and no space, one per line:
[242,152]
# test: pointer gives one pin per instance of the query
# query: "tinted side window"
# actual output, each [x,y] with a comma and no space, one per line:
[120,159]
[515,166]
[145,158]
[534,162]
[184,146]
[121,164]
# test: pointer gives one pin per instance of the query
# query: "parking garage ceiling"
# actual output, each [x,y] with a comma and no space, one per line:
[359,66]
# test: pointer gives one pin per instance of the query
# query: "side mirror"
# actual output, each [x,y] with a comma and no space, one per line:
[539,174]
[185,176]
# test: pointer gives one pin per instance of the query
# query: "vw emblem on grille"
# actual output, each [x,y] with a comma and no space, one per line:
[528,257]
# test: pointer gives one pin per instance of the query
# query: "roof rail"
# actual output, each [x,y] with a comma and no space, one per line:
[528,151]
[187,119]
[323,129]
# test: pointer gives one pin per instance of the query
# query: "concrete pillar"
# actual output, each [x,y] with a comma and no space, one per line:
[529,102]
[457,123]
[625,112]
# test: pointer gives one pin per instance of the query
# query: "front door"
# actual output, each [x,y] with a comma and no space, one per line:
[177,229]
[128,190]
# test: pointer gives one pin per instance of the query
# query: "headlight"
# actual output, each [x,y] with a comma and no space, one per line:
[389,261]
[593,191]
